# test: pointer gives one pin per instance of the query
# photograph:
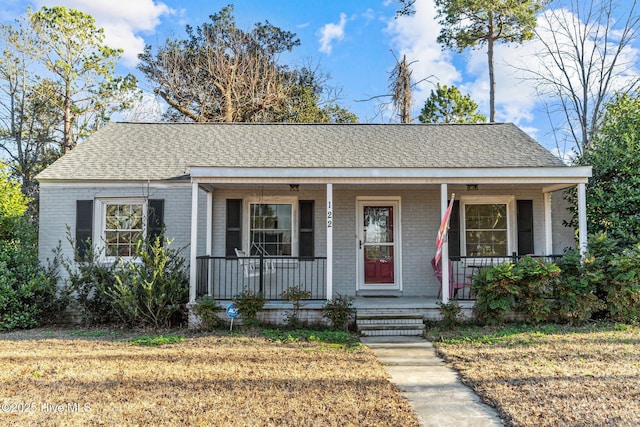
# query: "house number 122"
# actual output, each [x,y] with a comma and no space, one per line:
[329,215]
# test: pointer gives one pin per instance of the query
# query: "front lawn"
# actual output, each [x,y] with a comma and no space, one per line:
[105,377]
[551,375]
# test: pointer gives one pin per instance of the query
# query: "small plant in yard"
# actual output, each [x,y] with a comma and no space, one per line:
[207,309]
[339,310]
[249,303]
[295,294]
[450,312]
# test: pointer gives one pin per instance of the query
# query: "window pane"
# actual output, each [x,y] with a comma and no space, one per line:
[486,229]
[123,228]
[271,229]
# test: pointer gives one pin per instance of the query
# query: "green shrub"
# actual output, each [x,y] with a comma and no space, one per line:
[91,281]
[295,294]
[574,295]
[537,281]
[207,309]
[152,289]
[496,290]
[249,303]
[339,310]
[29,294]
[526,287]
[623,293]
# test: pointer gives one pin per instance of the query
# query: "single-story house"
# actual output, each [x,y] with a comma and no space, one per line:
[348,209]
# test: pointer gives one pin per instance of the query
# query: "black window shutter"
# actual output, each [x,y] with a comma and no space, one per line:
[155,218]
[454,230]
[305,235]
[234,226]
[84,226]
[525,227]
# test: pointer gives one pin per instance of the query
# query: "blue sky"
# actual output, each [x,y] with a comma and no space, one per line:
[352,40]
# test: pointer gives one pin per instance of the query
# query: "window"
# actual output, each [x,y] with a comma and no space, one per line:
[487,230]
[123,223]
[271,229]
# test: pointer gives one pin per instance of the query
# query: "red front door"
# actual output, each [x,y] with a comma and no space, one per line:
[378,244]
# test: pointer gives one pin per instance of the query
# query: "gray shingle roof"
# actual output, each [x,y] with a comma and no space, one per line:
[159,151]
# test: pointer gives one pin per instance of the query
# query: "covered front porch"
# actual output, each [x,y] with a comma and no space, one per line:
[334,266]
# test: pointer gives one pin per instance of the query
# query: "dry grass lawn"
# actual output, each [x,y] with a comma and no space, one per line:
[552,376]
[75,378]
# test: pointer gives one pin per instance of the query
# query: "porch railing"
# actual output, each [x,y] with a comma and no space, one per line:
[465,267]
[225,277]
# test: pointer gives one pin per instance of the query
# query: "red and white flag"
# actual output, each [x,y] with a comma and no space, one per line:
[442,231]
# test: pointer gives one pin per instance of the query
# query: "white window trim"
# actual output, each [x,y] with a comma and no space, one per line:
[510,201]
[282,200]
[99,220]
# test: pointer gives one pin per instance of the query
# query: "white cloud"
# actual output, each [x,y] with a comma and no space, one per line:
[123,21]
[330,32]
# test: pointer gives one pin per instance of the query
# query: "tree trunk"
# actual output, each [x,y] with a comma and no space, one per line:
[67,140]
[492,82]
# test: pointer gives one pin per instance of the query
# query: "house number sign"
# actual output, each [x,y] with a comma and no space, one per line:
[329,215]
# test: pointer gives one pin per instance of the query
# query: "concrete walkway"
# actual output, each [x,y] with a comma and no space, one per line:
[434,390]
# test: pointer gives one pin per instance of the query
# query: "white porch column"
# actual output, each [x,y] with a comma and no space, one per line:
[445,246]
[329,241]
[193,242]
[548,225]
[209,247]
[582,219]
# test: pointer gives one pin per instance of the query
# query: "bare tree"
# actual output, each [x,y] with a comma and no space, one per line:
[220,73]
[401,85]
[585,59]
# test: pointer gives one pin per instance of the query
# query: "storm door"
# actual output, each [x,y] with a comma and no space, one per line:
[378,256]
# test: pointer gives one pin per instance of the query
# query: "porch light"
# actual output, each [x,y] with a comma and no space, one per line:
[472,187]
[294,187]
